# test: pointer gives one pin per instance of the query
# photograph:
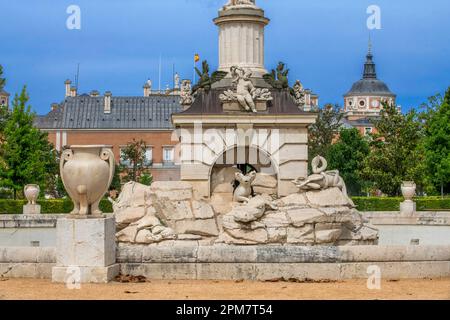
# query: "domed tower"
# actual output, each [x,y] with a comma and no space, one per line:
[364,100]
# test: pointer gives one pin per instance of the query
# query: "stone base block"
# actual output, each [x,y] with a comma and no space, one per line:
[408,208]
[85,242]
[77,274]
[31,209]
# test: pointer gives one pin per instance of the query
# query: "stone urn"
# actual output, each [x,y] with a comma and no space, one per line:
[87,173]
[408,190]
[31,192]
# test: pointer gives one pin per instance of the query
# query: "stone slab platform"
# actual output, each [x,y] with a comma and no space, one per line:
[249,263]
[286,271]
[279,254]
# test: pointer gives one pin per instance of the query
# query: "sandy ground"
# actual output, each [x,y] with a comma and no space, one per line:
[226,290]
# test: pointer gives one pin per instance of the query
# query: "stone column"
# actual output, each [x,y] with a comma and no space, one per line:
[85,251]
[241,39]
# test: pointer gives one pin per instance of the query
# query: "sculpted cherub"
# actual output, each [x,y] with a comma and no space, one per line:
[244,88]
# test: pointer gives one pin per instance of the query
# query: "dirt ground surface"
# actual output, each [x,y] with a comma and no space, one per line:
[30,289]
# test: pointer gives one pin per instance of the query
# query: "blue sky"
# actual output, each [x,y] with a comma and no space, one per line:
[323,42]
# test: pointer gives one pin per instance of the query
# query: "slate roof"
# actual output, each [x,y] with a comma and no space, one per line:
[209,103]
[133,113]
[369,84]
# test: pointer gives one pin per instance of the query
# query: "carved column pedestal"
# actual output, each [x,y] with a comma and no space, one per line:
[85,251]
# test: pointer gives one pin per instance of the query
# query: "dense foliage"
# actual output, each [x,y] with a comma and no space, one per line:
[395,155]
[437,142]
[347,155]
[27,156]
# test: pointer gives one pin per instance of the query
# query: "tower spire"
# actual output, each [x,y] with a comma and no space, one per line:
[369,66]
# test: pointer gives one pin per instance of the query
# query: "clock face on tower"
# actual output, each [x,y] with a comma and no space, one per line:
[375,104]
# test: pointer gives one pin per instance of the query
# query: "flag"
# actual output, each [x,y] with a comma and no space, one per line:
[197,57]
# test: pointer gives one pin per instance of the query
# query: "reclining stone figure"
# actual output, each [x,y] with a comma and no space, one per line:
[321,179]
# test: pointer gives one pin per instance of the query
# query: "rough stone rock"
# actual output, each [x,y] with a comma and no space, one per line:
[202,210]
[222,203]
[303,235]
[173,210]
[147,222]
[156,234]
[332,197]
[263,190]
[247,214]
[129,215]
[265,180]
[128,234]
[258,236]
[206,227]
[188,237]
[295,199]
[223,188]
[275,219]
[172,190]
[277,235]
[300,217]
[253,210]
[223,176]
[133,195]
[327,236]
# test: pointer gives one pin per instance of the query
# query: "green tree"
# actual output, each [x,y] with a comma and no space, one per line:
[324,131]
[2,80]
[4,112]
[116,181]
[133,159]
[28,157]
[437,143]
[395,151]
[348,156]
[146,179]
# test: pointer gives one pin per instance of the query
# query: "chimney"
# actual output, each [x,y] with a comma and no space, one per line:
[73,91]
[108,95]
[147,90]
[68,83]
[54,106]
[94,93]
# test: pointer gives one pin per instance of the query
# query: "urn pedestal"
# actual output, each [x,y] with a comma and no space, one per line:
[87,172]
[85,251]
[31,192]
[408,207]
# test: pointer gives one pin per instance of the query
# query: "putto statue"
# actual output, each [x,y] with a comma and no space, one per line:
[232,3]
[299,94]
[246,93]
[321,179]
[186,98]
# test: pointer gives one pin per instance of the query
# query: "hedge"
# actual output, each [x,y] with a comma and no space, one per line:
[363,203]
[393,204]
[47,206]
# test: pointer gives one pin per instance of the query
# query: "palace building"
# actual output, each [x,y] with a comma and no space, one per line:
[95,119]
[363,103]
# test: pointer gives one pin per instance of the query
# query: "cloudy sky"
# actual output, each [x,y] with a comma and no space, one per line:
[323,42]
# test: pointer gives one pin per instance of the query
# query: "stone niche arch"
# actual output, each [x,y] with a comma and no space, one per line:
[239,159]
[285,147]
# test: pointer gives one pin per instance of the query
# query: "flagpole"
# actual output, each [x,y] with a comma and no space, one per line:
[193,78]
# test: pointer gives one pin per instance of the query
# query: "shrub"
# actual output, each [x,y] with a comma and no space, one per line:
[62,206]
[393,204]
